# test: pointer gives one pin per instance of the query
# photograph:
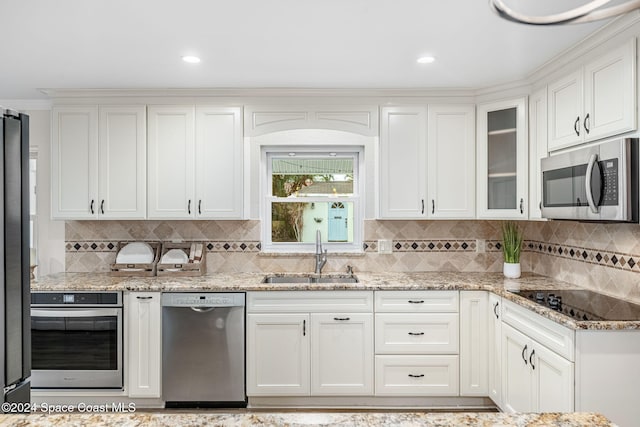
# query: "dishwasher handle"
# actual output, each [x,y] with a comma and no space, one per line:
[202,309]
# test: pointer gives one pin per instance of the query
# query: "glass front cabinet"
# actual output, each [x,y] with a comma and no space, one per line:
[502,160]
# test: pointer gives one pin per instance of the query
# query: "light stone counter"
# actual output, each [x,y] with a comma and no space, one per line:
[292,419]
[493,282]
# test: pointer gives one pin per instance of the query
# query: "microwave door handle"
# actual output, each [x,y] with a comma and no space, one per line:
[593,162]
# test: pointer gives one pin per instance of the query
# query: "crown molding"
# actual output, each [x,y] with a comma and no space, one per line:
[583,47]
[258,92]
[26,104]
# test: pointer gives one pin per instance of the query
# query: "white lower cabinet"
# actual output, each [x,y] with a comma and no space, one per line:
[474,332]
[342,354]
[494,344]
[417,343]
[278,355]
[144,344]
[322,353]
[535,379]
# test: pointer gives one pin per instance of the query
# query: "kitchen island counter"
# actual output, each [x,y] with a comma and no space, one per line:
[426,419]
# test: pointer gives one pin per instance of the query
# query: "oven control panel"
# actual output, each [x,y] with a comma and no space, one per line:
[79,299]
[609,182]
[203,299]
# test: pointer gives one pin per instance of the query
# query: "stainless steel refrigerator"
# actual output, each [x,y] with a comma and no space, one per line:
[15,327]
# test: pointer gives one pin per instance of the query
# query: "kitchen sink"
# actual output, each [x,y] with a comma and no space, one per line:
[343,278]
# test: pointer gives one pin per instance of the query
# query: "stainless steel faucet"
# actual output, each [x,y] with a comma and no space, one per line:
[321,256]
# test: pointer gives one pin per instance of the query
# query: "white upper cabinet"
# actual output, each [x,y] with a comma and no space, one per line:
[502,153]
[427,162]
[195,162]
[403,166]
[98,167]
[171,162]
[537,149]
[451,158]
[219,163]
[122,169]
[597,101]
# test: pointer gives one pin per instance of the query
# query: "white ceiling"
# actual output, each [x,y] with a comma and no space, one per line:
[268,43]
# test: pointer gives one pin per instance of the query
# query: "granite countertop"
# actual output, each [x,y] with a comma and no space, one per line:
[223,282]
[441,419]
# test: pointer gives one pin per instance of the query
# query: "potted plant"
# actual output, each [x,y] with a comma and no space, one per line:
[511,247]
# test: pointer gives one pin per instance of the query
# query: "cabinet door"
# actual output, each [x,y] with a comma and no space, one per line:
[610,93]
[278,357]
[553,378]
[537,150]
[219,161]
[565,111]
[122,163]
[342,354]
[74,162]
[144,344]
[171,162]
[502,166]
[517,381]
[403,162]
[495,349]
[474,365]
[451,161]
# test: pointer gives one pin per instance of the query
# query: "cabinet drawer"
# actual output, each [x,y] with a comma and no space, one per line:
[416,301]
[310,301]
[417,333]
[547,332]
[416,375]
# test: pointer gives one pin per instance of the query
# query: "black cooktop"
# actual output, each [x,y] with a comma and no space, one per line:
[584,305]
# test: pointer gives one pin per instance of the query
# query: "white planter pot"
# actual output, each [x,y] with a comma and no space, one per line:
[511,271]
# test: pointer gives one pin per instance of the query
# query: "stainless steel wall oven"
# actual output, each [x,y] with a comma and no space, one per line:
[76,339]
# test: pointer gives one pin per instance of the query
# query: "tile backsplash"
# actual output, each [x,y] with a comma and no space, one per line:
[602,257]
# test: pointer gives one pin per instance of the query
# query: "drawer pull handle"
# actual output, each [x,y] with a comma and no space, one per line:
[341,318]
[416,376]
[416,333]
[495,310]
[304,328]
[524,356]
[416,302]
[147,297]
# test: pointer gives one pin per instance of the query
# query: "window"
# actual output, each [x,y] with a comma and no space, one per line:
[309,192]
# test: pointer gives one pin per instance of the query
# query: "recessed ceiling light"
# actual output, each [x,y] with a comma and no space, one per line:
[191,59]
[425,60]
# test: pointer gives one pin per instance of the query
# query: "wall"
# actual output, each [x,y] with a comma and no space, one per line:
[50,234]
[603,257]
[234,246]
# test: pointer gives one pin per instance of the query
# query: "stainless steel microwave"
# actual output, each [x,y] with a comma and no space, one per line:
[595,183]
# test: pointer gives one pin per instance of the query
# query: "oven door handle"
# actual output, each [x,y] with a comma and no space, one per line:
[593,162]
[35,312]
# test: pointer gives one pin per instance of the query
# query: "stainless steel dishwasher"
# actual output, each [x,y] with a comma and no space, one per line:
[203,358]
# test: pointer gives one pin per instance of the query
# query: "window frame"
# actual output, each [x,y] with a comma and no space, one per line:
[357,199]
